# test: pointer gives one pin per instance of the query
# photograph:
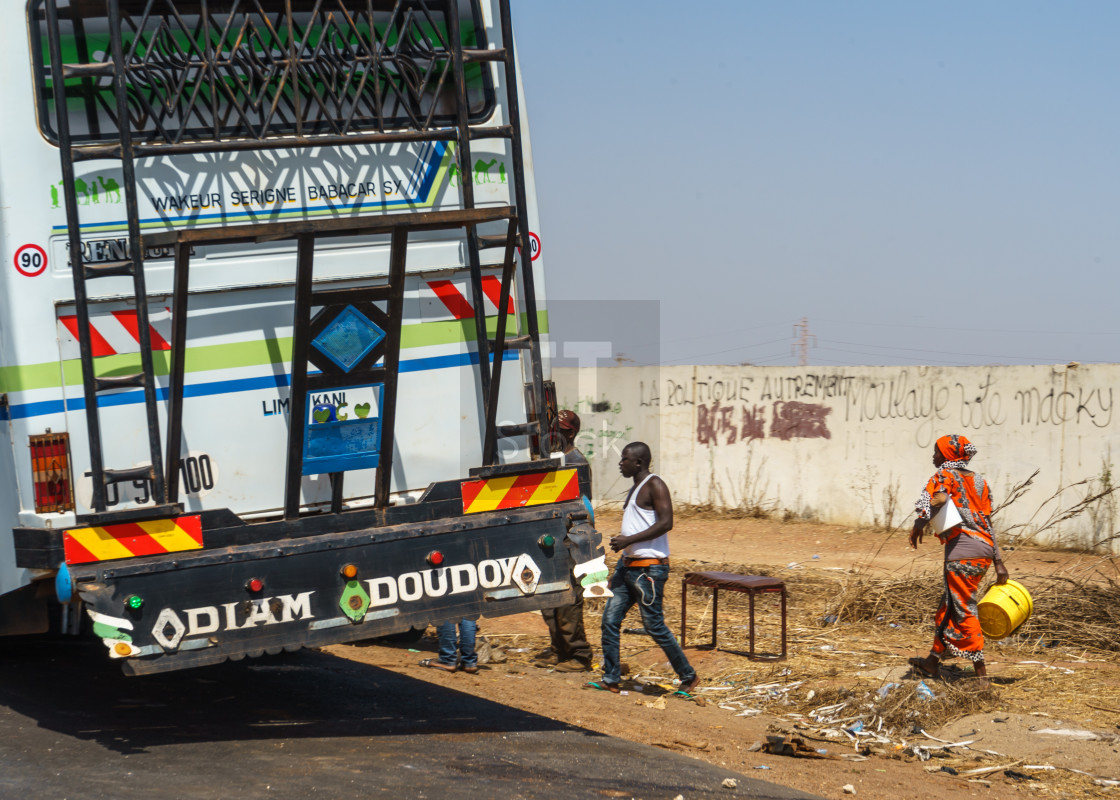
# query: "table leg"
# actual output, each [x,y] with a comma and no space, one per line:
[750,594]
[783,623]
[684,607]
[715,617]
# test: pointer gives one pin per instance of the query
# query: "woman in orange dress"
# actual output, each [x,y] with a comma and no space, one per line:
[970,548]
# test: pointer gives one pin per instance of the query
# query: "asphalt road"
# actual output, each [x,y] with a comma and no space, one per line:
[303,725]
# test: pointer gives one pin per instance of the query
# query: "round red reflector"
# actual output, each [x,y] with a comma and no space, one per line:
[435,558]
[254,585]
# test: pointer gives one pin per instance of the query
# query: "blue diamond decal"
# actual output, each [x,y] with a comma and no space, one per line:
[348,338]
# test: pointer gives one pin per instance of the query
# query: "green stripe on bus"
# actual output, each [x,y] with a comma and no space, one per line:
[49,375]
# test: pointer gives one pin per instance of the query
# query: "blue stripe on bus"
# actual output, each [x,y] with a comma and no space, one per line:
[42,408]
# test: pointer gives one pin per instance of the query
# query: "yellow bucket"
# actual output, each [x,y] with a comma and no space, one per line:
[1003,609]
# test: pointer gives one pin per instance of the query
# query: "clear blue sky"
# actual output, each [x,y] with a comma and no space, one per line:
[927,183]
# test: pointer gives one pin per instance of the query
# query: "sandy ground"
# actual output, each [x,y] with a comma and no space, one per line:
[1041,700]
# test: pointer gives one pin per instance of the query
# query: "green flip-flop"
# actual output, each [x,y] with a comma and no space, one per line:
[686,689]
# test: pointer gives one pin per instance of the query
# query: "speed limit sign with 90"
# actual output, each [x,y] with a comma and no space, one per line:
[31,260]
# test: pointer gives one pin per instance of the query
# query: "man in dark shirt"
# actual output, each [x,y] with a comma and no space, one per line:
[570,650]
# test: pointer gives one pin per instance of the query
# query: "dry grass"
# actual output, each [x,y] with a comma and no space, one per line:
[906,708]
[827,658]
[714,511]
[1081,611]
[903,601]
[1076,613]
[860,661]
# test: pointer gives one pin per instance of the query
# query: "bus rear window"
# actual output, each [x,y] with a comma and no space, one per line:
[256,71]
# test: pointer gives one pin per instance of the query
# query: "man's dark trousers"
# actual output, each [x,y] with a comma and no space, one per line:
[565,627]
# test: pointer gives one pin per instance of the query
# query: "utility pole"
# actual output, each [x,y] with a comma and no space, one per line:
[805,340]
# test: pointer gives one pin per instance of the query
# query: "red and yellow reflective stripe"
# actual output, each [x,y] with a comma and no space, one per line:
[517,491]
[128,540]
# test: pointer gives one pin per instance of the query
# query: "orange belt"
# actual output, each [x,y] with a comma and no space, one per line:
[645,562]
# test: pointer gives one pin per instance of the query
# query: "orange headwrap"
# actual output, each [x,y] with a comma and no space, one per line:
[956,448]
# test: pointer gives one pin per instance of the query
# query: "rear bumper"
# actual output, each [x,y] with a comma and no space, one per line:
[269,587]
[198,608]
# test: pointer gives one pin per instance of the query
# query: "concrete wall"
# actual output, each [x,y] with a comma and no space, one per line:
[852,445]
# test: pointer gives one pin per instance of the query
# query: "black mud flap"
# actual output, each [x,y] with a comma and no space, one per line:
[204,607]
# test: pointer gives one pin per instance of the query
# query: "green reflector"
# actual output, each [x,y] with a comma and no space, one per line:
[134,601]
[547,540]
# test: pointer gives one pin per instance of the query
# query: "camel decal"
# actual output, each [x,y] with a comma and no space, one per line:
[482,173]
[111,189]
[482,170]
[97,190]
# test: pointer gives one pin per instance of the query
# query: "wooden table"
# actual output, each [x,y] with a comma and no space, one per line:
[750,584]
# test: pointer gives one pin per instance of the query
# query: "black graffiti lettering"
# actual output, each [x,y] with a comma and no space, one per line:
[1053,407]
[722,389]
[677,394]
[983,409]
[1083,402]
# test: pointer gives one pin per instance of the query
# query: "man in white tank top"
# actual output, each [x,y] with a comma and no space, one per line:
[640,575]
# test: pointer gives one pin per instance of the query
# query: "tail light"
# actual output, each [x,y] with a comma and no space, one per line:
[50,468]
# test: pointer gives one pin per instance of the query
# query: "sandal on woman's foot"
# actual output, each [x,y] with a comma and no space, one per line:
[922,666]
[603,686]
[436,664]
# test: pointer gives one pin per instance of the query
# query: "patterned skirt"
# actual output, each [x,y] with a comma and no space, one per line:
[958,627]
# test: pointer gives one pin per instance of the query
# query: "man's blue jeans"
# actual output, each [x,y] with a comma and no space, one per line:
[464,654]
[644,586]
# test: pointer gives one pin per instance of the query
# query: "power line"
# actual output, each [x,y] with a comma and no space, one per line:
[662,342]
[729,350]
[969,330]
[937,352]
[913,359]
[769,358]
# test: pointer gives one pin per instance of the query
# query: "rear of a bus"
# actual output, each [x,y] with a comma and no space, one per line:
[253,187]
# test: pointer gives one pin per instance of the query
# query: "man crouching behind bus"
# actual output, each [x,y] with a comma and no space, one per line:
[641,572]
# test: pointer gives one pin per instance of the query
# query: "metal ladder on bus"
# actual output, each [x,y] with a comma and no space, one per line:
[491,352]
[95,387]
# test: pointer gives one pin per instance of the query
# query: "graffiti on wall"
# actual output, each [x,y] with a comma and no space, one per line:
[776,437]
[794,420]
[741,407]
[789,419]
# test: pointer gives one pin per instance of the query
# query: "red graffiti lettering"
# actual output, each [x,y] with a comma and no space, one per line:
[754,423]
[793,420]
[714,424]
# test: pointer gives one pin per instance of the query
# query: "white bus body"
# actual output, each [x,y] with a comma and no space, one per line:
[240,322]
